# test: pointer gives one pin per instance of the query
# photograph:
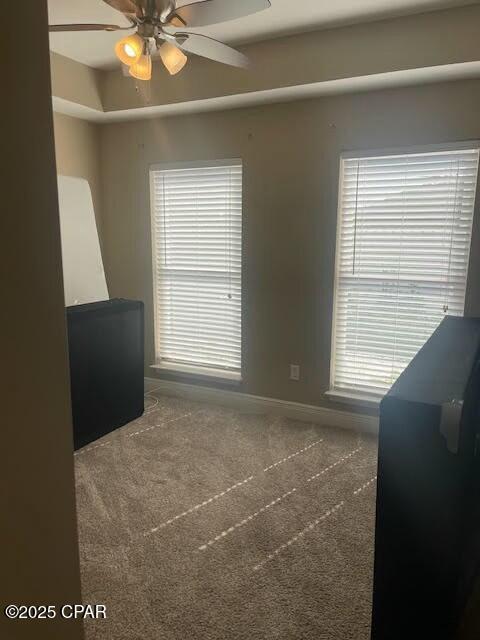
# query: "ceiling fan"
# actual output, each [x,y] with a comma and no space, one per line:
[155,22]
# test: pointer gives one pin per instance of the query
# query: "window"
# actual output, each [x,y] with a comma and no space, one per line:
[403,244]
[196,233]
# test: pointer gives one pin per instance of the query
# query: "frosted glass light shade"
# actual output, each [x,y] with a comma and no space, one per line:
[172,57]
[128,50]
[142,69]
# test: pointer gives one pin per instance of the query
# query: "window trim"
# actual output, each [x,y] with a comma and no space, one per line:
[462,145]
[351,395]
[359,399]
[194,371]
[194,164]
[166,366]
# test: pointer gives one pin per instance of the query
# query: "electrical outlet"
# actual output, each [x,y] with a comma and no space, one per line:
[294,372]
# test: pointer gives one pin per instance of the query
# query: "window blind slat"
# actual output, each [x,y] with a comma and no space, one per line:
[405,224]
[197,227]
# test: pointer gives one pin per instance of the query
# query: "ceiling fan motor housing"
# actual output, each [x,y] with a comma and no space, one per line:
[148,30]
[155,10]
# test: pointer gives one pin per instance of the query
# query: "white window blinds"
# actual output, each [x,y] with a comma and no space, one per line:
[197,228]
[403,246]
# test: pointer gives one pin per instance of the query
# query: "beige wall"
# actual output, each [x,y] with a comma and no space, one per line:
[291,159]
[75,82]
[77,150]
[38,534]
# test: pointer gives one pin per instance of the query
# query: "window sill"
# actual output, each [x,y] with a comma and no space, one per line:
[350,397]
[192,371]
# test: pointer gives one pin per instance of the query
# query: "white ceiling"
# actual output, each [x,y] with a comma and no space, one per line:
[96,48]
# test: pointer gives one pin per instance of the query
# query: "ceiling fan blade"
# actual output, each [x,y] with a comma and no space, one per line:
[85,27]
[208,12]
[210,48]
[127,7]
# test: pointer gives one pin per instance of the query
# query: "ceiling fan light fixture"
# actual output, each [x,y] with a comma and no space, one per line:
[142,69]
[150,18]
[172,57]
[129,50]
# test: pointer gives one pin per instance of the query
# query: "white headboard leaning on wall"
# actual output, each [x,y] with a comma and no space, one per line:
[83,273]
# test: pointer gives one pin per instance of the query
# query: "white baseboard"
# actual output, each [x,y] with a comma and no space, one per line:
[256,404]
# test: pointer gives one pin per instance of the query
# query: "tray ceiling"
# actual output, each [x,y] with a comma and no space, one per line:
[96,49]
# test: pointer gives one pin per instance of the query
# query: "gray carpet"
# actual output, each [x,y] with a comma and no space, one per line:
[199,522]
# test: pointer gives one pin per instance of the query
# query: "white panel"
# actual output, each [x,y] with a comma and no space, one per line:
[83,274]
[197,229]
[405,224]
